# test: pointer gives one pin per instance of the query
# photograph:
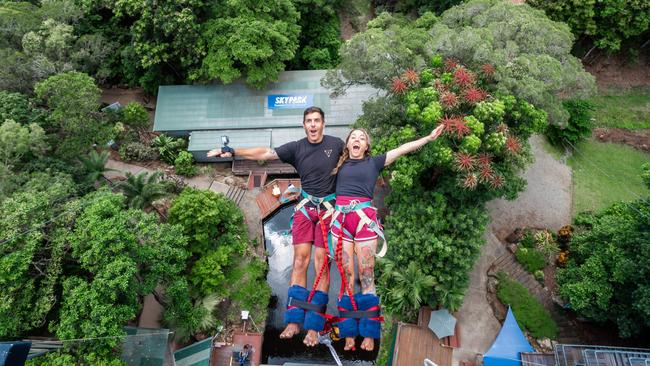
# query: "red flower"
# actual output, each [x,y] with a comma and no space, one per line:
[488,70]
[484,159]
[411,76]
[465,162]
[513,145]
[485,173]
[497,181]
[502,127]
[470,181]
[399,86]
[455,125]
[449,100]
[450,64]
[474,95]
[463,77]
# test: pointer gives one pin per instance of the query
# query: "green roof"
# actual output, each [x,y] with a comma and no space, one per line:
[181,109]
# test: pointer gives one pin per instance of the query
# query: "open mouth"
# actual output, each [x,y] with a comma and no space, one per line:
[356,148]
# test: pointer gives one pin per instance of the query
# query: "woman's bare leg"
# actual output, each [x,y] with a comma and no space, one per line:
[366,258]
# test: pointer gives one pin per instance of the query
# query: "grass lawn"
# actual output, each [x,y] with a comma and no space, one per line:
[622,109]
[605,173]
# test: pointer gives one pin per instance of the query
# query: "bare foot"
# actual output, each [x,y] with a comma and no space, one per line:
[349,344]
[291,330]
[311,339]
[368,344]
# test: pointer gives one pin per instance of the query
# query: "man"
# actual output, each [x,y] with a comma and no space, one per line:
[314,158]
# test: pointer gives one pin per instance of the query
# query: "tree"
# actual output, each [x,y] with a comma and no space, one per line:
[118,256]
[33,230]
[16,72]
[142,189]
[209,220]
[16,19]
[16,143]
[248,38]
[606,278]
[15,106]
[319,42]
[607,23]
[405,289]
[73,102]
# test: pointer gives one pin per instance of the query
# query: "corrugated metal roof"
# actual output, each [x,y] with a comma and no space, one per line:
[237,106]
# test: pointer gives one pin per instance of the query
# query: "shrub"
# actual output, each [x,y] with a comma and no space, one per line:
[539,275]
[579,126]
[184,164]
[168,147]
[529,312]
[135,115]
[531,259]
[528,240]
[137,151]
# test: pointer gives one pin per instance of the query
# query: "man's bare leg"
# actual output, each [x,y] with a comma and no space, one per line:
[301,255]
[366,257]
[311,339]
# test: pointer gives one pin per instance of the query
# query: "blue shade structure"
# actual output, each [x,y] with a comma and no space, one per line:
[510,342]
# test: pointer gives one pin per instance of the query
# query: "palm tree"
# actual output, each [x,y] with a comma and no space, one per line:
[95,165]
[142,189]
[404,290]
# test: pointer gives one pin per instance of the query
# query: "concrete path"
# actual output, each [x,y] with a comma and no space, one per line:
[546,203]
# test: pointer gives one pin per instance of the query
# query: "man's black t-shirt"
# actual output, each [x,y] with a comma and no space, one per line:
[314,163]
[357,177]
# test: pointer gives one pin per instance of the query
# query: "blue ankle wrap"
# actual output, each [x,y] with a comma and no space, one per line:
[368,328]
[313,320]
[348,327]
[296,315]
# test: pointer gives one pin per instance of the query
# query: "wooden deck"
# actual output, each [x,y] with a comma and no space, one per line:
[537,359]
[415,342]
[223,355]
[267,202]
[245,167]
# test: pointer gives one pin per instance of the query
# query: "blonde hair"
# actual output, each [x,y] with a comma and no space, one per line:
[346,153]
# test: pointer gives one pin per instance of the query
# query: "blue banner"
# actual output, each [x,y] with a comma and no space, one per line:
[294,101]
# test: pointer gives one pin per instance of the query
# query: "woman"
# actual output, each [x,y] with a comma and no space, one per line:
[356,223]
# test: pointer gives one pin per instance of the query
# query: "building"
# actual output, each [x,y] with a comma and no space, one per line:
[251,117]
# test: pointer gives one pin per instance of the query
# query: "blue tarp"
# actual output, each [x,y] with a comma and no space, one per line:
[509,343]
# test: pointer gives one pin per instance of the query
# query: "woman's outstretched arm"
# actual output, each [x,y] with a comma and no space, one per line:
[408,147]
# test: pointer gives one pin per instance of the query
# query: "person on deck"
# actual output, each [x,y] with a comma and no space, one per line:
[355,225]
[313,157]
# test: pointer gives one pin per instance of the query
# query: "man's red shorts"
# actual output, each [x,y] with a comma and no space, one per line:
[308,230]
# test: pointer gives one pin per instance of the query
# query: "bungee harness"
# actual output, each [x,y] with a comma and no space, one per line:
[357,207]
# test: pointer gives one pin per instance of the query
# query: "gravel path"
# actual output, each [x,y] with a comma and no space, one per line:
[546,202]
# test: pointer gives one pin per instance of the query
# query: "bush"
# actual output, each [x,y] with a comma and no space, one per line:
[168,147]
[136,151]
[135,115]
[579,126]
[539,275]
[531,259]
[528,240]
[529,312]
[184,164]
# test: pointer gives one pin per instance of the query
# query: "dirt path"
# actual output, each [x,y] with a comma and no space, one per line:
[638,139]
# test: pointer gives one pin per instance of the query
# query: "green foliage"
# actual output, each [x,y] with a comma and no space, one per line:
[624,108]
[418,6]
[135,115]
[531,54]
[579,126]
[248,38]
[404,289]
[73,101]
[15,71]
[137,151]
[319,42]
[16,19]
[184,164]
[529,312]
[33,232]
[390,45]
[532,259]
[246,288]
[142,189]
[181,315]
[15,106]
[208,219]
[17,143]
[168,147]
[121,255]
[607,23]
[95,165]
[208,275]
[609,263]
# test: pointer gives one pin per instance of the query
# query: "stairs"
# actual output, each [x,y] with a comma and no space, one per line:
[235,194]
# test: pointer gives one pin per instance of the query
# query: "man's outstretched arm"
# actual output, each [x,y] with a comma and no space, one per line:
[253,153]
